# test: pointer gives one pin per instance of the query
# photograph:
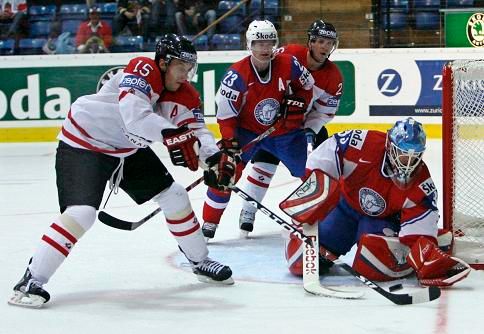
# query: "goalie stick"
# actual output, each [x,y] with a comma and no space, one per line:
[421,296]
[125,225]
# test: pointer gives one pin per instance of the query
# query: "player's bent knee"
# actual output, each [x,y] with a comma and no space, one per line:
[381,258]
[174,201]
[77,219]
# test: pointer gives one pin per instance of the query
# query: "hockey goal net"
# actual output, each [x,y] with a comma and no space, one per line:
[463,158]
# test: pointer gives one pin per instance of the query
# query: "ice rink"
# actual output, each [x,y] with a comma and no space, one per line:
[136,282]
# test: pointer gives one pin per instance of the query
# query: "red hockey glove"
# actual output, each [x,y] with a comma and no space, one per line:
[230,145]
[183,145]
[434,267]
[221,170]
[292,113]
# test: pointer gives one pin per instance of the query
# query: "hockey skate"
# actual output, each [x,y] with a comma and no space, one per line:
[208,230]
[29,292]
[210,271]
[246,222]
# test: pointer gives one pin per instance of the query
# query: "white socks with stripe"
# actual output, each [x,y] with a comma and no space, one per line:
[59,239]
[258,180]
[182,223]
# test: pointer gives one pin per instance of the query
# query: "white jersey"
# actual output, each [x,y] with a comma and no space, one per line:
[130,111]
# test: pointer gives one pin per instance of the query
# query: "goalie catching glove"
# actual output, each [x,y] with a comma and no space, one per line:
[434,267]
[222,165]
[183,145]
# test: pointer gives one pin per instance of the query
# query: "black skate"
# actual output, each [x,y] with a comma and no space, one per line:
[29,292]
[210,271]
[246,222]
[208,230]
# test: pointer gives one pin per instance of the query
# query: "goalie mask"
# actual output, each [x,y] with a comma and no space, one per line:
[172,46]
[404,148]
[321,29]
[261,31]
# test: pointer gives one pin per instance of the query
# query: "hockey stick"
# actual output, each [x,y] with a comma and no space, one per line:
[120,224]
[420,296]
[311,282]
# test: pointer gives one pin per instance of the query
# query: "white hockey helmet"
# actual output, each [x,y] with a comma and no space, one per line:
[261,31]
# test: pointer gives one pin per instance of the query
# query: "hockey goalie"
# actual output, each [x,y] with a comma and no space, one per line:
[373,189]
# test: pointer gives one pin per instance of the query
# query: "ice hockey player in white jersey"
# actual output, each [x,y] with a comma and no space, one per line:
[106,137]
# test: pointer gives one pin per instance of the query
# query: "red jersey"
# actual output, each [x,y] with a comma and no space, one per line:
[246,100]
[327,89]
[356,158]
[87,30]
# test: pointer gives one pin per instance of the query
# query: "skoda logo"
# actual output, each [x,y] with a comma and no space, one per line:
[389,82]
[475,30]
[108,75]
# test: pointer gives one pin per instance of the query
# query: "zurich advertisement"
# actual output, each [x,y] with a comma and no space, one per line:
[413,89]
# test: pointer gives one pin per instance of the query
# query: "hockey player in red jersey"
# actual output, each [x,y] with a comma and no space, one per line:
[386,203]
[257,92]
[327,90]
[106,137]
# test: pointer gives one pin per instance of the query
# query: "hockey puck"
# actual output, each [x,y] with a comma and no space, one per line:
[396,287]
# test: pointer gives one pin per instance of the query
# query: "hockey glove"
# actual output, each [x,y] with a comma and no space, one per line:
[221,170]
[292,113]
[231,146]
[183,145]
[434,267]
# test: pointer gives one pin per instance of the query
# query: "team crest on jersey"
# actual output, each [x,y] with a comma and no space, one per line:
[266,110]
[371,202]
[108,75]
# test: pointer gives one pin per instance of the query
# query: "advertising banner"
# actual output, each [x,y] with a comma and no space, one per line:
[464,27]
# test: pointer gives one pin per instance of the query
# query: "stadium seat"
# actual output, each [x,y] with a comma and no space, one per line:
[7,47]
[108,11]
[41,13]
[224,6]
[200,43]
[426,4]
[398,21]
[394,5]
[231,24]
[427,20]
[39,29]
[271,7]
[71,26]
[128,44]
[73,12]
[460,3]
[226,42]
[31,46]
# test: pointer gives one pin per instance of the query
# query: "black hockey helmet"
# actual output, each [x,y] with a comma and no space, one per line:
[319,28]
[171,46]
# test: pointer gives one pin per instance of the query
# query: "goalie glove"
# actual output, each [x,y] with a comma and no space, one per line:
[221,170]
[434,267]
[182,145]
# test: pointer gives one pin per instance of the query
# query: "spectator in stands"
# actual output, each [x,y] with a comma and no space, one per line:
[13,16]
[162,18]
[132,13]
[192,16]
[94,35]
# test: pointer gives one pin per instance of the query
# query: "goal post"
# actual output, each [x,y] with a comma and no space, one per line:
[463,158]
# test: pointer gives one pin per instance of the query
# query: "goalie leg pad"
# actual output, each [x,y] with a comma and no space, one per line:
[313,199]
[381,258]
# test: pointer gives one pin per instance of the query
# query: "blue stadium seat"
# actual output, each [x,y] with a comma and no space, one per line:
[395,5]
[426,4]
[226,42]
[7,47]
[128,44]
[398,21]
[201,43]
[31,46]
[225,6]
[39,29]
[107,10]
[41,13]
[271,7]
[231,24]
[427,20]
[73,12]
[460,3]
[71,26]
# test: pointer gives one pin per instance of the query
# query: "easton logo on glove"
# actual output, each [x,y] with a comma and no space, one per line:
[180,139]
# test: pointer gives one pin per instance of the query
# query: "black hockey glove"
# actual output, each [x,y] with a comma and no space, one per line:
[183,145]
[221,170]
[292,113]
